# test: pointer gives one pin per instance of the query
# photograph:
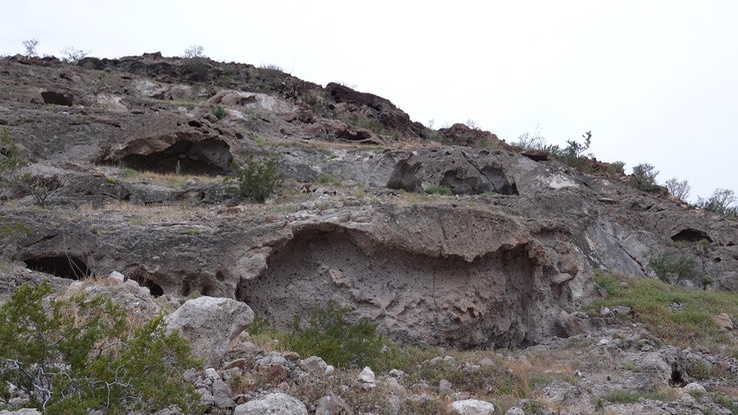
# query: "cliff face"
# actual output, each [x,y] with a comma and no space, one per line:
[132,150]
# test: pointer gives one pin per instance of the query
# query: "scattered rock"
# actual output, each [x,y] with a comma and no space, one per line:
[332,405]
[274,403]
[694,388]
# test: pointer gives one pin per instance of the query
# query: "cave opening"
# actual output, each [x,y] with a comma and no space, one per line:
[691,235]
[62,266]
[204,158]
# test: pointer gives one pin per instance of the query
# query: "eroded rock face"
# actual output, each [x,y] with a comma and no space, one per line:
[474,279]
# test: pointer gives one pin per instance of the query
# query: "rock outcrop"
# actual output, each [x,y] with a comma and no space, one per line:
[210,324]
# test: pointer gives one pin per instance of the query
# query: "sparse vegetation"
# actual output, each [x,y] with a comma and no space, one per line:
[328,334]
[70,54]
[14,177]
[72,356]
[254,179]
[679,190]
[722,202]
[644,178]
[218,111]
[672,268]
[30,46]
[194,51]
[688,325]
[438,190]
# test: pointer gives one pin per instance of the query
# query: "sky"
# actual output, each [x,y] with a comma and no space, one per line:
[654,81]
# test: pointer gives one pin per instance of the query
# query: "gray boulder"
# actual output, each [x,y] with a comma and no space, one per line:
[210,324]
[274,403]
[473,407]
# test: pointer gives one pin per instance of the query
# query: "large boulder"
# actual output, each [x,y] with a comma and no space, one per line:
[210,324]
[274,403]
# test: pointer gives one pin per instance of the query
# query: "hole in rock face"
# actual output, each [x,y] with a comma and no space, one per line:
[62,266]
[154,288]
[57,98]
[208,157]
[691,235]
[493,301]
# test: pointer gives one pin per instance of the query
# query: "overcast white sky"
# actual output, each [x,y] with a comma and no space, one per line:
[655,81]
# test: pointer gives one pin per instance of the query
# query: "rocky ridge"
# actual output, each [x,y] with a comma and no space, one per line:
[131,150]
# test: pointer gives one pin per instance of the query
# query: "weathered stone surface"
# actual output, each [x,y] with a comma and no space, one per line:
[210,324]
[332,405]
[274,403]
[473,407]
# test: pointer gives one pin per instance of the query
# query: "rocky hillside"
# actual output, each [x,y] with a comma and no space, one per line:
[449,238]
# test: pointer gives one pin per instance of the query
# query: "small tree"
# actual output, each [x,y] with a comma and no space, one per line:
[254,179]
[672,268]
[721,202]
[679,190]
[195,51]
[72,356]
[644,177]
[30,46]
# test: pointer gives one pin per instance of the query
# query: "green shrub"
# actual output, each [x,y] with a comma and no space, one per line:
[254,179]
[644,178]
[672,268]
[340,343]
[218,111]
[616,169]
[71,356]
[438,190]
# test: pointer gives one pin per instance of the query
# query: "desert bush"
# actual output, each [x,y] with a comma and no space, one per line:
[194,51]
[30,46]
[254,179]
[616,169]
[331,336]
[272,67]
[70,54]
[679,190]
[72,356]
[644,178]
[672,268]
[218,111]
[438,190]
[535,141]
[721,202]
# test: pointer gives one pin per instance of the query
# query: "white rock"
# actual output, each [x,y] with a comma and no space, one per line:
[115,275]
[473,407]
[367,375]
[694,387]
[210,324]
[274,403]
[515,411]
[329,370]
[24,411]
[211,373]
